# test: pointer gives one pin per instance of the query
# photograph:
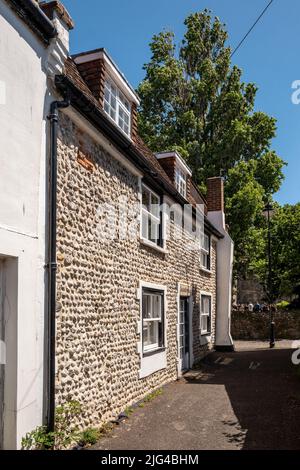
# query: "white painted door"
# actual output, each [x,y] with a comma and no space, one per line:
[184,340]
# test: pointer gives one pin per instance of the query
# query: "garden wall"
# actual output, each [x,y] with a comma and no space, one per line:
[256,326]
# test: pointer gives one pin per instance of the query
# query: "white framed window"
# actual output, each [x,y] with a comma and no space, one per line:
[205,313]
[153,320]
[180,181]
[151,217]
[117,106]
[205,252]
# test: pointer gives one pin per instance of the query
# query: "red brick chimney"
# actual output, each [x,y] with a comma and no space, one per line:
[215,194]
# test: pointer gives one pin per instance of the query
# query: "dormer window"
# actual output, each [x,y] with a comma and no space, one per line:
[180,181]
[110,88]
[116,106]
[177,170]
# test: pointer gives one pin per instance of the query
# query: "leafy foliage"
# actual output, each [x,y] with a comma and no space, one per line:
[195,102]
[65,434]
[90,436]
[285,249]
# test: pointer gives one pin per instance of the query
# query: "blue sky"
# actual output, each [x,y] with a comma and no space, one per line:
[269,57]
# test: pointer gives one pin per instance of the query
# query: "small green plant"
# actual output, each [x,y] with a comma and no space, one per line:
[128,411]
[106,429]
[90,436]
[38,439]
[65,434]
[283,305]
[152,395]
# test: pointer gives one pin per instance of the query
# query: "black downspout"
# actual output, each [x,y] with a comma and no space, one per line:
[52,265]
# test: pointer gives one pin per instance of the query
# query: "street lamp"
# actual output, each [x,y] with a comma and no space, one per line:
[268,212]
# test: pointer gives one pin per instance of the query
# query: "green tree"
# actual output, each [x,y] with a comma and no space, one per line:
[194,101]
[285,237]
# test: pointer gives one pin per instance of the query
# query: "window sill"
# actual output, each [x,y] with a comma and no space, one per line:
[149,244]
[153,351]
[205,270]
[153,363]
[208,333]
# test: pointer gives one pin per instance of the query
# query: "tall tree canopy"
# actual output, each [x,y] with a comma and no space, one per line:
[285,231]
[194,101]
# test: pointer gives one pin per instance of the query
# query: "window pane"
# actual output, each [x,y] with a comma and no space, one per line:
[116,105]
[153,230]
[204,259]
[150,335]
[205,304]
[113,90]
[145,225]
[204,323]
[156,306]
[106,107]
[106,94]
[113,102]
[180,182]
[147,306]
[208,324]
[154,209]
[153,325]
[150,225]
[146,198]
[206,243]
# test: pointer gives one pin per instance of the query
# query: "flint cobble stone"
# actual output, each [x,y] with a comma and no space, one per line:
[98,311]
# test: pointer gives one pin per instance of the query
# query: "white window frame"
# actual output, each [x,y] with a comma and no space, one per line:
[160,245]
[202,314]
[159,319]
[181,181]
[207,253]
[157,359]
[120,97]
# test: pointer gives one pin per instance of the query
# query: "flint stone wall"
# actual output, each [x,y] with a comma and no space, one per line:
[97,282]
[256,326]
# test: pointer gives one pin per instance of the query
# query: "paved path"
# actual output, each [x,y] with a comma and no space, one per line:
[249,399]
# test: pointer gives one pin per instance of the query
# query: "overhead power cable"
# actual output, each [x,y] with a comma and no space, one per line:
[252,27]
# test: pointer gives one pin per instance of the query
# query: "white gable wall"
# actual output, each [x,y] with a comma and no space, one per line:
[24,104]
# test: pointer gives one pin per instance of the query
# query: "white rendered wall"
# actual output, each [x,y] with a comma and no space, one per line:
[224,281]
[24,104]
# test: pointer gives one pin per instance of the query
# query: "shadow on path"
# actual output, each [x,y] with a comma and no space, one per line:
[264,392]
[249,399]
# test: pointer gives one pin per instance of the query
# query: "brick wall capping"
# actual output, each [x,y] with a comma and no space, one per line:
[56,6]
[35,18]
[111,69]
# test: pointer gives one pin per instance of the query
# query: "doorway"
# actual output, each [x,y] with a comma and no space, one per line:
[184,334]
[8,350]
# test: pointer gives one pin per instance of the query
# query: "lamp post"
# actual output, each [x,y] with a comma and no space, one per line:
[268,212]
